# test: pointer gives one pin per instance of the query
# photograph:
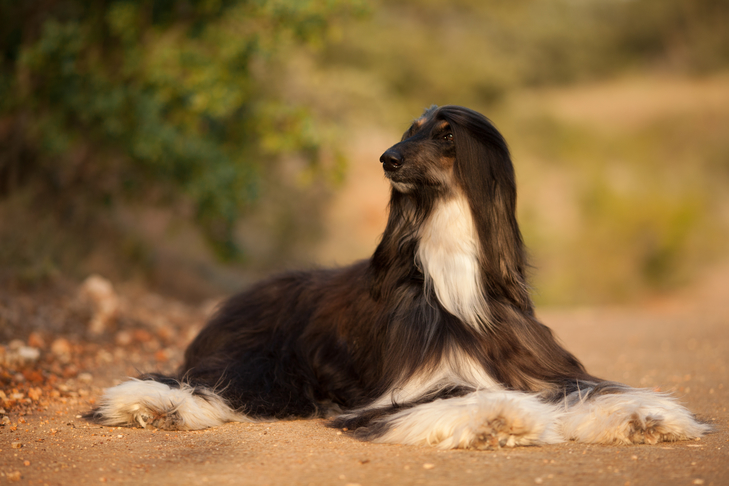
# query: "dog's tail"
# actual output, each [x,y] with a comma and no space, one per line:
[158,401]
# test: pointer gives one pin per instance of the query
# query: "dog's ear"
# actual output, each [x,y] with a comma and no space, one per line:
[484,171]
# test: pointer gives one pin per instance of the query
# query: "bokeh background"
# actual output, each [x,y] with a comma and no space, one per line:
[193,146]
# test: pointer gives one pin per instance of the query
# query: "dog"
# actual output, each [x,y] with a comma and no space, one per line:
[433,340]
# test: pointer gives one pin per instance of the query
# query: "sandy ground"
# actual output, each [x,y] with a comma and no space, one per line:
[679,345]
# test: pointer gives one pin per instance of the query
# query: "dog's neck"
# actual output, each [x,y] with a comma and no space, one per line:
[448,255]
[436,235]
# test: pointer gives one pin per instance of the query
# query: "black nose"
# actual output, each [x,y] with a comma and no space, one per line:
[391,160]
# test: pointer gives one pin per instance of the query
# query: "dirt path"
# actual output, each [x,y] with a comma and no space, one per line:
[679,345]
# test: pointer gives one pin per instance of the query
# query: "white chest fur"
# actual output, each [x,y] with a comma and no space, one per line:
[448,256]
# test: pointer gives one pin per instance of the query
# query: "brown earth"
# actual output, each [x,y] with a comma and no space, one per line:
[678,344]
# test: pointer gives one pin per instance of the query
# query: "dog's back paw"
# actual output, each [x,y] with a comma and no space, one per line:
[149,403]
[632,417]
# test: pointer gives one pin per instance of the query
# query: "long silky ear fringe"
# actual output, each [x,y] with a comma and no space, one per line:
[147,402]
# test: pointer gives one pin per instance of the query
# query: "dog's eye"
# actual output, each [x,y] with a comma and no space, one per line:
[448,137]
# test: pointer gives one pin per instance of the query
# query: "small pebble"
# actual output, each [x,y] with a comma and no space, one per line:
[16,445]
[142,335]
[428,466]
[85,377]
[61,348]
[35,393]
[36,340]
[123,338]
[16,344]
[28,354]
[538,480]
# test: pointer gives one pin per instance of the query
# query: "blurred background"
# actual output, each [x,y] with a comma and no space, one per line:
[193,146]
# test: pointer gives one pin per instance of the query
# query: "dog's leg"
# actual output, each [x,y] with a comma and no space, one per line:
[162,405]
[479,420]
[629,416]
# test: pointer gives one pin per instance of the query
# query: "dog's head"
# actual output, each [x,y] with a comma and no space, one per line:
[424,157]
[454,151]
[451,146]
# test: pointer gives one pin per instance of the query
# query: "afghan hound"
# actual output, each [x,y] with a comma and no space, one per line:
[433,340]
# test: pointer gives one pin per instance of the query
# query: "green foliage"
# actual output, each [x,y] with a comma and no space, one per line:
[162,100]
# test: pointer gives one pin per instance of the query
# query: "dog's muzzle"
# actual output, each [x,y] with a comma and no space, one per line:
[391,160]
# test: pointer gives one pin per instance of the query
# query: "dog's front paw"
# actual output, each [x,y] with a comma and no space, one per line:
[631,417]
[501,432]
[650,429]
[510,420]
[160,420]
[480,420]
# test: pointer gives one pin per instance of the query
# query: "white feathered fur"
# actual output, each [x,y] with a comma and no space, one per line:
[147,402]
